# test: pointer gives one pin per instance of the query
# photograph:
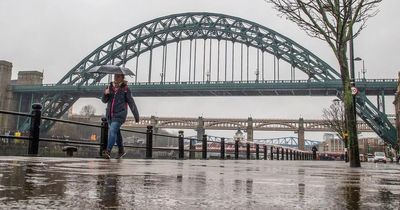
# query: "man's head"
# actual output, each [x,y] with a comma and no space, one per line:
[118,78]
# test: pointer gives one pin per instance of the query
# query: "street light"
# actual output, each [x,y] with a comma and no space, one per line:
[363,67]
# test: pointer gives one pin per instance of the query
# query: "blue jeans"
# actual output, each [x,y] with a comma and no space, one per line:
[114,135]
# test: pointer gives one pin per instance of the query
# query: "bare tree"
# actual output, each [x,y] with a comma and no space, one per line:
[88,111]
[334,119]
[333,21]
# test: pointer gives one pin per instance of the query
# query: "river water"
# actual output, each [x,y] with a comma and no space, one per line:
[72,183]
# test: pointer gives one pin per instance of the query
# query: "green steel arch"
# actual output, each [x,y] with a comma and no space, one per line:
[173,28]
[188,26]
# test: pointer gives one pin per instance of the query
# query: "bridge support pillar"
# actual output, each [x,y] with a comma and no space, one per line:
[250,129]
[265,152]
[200,128]
[287,154]
[5,95]
[153,123]
[300,134]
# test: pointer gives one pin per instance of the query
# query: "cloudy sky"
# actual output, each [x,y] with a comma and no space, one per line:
[54,35]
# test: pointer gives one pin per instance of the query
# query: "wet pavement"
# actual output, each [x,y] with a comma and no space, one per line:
[61,183]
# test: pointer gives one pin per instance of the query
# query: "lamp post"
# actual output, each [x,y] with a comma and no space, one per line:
[363,66]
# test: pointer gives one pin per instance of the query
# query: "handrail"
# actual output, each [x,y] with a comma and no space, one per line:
[34,139]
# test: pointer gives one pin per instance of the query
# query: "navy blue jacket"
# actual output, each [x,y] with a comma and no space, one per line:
[117,102]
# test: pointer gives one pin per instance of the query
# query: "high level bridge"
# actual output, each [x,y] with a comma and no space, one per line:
[207,54]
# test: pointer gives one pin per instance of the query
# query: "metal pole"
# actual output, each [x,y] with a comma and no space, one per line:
[257,151]
[265,152]
[181,151]
[180,61]
[190,60]
[137,66]
[272,153]
[233,60]
[241,62]
[204,150]
[236,149]
[103,135]
[191,150]
[35,129]
[204,60]
[287,154]
[176,60]
[218,60]
[248,151]
[150,63]
[262,60]
[226,59]
[222,148]
[247,63]
[209,62]
[194,60]
[149,142]
[277,153]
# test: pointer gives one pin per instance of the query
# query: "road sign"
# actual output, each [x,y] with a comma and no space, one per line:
[354,91]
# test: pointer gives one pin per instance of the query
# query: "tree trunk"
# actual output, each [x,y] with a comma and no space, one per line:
[350,111]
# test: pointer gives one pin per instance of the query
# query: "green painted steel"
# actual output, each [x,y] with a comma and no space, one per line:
[280,87]
[188,26]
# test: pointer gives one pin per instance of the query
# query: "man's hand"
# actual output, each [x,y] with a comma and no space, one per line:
[106,91]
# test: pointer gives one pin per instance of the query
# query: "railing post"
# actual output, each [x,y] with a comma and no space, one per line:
[287,154]
[257,151]
[103,136]
[236,149]
[180,142]
[272,153]
[222,148]
[35,129]
[277,154]
[248,151]
[149,142]
[204,150]
[265,152]
[191,149]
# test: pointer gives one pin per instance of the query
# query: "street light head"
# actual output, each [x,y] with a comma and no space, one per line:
[358,59]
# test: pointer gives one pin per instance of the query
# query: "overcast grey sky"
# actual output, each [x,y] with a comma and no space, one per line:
[54,35]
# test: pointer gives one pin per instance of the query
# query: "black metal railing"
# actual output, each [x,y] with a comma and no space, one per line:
[205,147]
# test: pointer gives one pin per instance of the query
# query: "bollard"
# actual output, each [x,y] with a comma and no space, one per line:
[191,149]
[287,154]
[257,151]
[103,136]
[272,153]
[35,129]
[204,150]
[265,152]
[248,151]
[149,142]
[222,148]
[180,144]
[236,149]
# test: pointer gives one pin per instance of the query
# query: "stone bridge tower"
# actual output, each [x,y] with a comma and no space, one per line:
[5,95]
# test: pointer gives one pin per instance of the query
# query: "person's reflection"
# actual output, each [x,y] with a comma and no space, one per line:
[108,190]
[351,191]
[249,186]
[301,186]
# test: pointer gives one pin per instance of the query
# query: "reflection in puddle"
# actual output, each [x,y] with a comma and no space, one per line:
[42,183]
